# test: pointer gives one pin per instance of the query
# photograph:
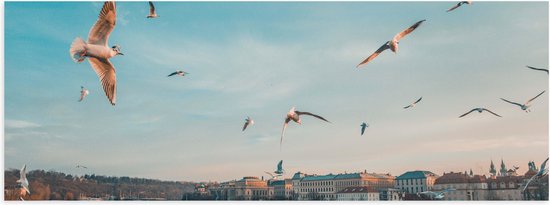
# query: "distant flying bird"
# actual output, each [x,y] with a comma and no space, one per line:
[459,4]
[526,105]
[280,169]
[248,121]
[435,194]
[273,176]
[392,45]
[413,104]
[363,127]
[479,110]
[539,69]
[294,115]
[152,12]
[97,50]
[178,72]
[541,173]
[23,180]
[80,166]
[83,93]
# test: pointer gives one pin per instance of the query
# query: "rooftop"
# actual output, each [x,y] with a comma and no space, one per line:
[458,178]
[416,175]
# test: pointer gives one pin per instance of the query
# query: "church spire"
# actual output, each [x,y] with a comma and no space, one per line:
[493,171]
[502,168]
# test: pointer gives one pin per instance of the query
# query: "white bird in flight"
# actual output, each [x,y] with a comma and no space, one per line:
[23,179]
[393,44]
[248,121]
[539,69]
[273,176]
[363,127]
[83,93]
[479,110]
[435,194]
[294,115]
[178,72]
[413,104]
[542,171]
[458,5]
[152,12]
[526,105]
[98,51]
[80,166]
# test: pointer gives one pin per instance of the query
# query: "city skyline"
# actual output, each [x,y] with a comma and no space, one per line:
[259,60]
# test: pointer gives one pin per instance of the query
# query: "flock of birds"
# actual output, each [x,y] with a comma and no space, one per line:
[98,53]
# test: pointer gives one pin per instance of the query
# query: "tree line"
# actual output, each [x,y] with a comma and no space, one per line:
[53,185]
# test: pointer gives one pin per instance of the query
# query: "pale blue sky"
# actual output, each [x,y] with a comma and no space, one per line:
[260,59]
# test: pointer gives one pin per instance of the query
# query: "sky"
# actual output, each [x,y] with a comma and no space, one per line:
[259,59]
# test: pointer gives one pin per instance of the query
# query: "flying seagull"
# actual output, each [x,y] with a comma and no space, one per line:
[543,171]
[539,69]
[98,51]
[392,45]
[248,121]
[294,115]
[526,105]
[435,194]
[83,93]
[413,104]
[479,110]
[178,72]
[80,166]
[459,4]
[23,180]
[273,176]
[363,126]
[152,12]
[280,169]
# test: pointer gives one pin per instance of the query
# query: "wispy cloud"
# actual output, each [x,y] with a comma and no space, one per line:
[20,124]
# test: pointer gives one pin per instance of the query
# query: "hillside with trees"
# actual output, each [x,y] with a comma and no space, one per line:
[52,185]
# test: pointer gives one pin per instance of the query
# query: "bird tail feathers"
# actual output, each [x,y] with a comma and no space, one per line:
[78,49]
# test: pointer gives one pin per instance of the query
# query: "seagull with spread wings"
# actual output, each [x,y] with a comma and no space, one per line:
[526,105]
[393,44]
[294,115]
[80,166]
[178,72]
[542,171]
[539,69]
[479,110]
[98,51]
[152,12]
[413,104]
[435,194]
[458,5]
[23,180]
[248,121]
[83,93]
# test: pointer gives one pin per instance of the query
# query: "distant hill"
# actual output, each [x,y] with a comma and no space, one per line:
[52,185]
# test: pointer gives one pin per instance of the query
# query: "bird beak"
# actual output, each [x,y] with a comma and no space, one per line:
[120,54]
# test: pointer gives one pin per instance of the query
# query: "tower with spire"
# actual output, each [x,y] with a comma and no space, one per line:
[502,168]
[493,171]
